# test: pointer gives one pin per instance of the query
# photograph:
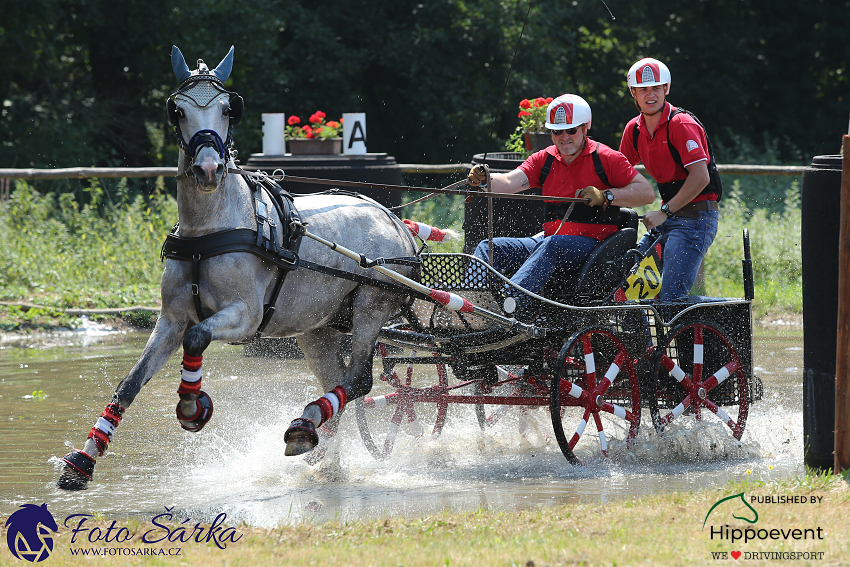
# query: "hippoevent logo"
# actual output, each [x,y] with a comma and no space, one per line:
[28,532]
[736,535]
[29,535]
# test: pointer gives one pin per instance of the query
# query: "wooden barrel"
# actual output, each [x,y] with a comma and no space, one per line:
[821,222]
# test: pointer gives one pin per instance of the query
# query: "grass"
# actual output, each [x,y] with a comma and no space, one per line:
[60,254]
[654,530]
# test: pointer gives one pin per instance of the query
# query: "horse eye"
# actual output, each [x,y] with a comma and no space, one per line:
[180,113]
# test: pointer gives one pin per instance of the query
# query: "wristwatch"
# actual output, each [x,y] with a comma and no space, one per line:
[666,210]
[609,197]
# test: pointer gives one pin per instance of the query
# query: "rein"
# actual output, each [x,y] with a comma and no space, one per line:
[448,190]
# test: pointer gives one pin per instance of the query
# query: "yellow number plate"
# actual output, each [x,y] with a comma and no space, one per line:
[646,282]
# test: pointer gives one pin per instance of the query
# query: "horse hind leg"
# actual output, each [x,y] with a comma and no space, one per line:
[371,309]
[321,349]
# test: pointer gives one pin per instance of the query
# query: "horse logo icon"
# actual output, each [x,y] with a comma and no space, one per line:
[28,532]
[743,500]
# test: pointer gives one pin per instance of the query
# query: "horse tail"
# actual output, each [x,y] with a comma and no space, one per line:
[427,232]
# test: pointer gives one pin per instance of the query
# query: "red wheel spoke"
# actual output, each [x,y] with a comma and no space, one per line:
[580,429]
[698,354]
[677,411]
[718,377]
[603,440]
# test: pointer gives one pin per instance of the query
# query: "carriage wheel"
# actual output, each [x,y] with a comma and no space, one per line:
[595,378]
[391,410]
[683,379]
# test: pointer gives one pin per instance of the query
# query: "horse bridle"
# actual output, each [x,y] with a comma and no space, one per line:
[202,89]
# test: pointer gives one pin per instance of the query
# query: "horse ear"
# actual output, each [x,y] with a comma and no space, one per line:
[225,67]
[237,109]
[171,110]
[178,63]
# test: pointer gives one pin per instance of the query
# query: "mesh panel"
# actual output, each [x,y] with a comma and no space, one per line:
[202,92]
[456,272]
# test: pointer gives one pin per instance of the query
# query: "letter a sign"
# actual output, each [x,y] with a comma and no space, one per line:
[354,133]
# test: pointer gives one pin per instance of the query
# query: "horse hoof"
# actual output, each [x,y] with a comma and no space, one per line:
[195,423]
[300,437]
[79,468]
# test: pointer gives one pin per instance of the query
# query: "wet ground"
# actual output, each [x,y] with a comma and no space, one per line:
[53,388]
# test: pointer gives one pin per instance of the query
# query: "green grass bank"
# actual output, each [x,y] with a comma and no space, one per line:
[669,529]
[60,254]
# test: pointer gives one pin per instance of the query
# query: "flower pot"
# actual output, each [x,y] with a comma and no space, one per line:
[535,141]
[302,146]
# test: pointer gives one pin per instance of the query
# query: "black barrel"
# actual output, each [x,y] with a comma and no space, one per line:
[821,196]
[511,217]
[369,168]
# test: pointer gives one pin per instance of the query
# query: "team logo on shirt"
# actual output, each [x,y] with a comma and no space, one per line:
[692,146]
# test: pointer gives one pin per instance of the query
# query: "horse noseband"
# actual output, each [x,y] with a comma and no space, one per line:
[206,139]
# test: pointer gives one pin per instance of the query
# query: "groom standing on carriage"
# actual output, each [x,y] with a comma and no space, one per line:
[574,166]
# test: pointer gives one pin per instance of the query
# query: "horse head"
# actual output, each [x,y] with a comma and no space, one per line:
[203,113]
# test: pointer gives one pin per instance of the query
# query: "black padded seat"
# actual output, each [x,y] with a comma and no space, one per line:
[603,270]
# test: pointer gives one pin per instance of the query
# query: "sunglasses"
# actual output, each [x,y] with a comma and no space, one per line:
[570,131]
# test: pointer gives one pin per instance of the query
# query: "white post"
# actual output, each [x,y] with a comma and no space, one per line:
[273,134]
[354,133]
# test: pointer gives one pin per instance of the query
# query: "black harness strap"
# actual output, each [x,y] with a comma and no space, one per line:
[197,248]
[597,165]
[668,190]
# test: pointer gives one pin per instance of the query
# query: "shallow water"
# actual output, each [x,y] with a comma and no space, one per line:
[51,393]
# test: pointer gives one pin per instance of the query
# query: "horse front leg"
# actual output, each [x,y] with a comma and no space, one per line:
[194,409]
[79,463]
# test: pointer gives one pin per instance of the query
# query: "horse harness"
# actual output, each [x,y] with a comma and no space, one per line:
[284,255]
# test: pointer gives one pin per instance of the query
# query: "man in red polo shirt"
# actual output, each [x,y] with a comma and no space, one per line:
[674,148]
[574,166]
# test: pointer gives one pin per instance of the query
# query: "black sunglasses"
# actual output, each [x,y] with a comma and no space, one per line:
[569,131]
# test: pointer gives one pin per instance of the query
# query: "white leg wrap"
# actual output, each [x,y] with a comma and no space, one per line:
[334,400]
[191,375]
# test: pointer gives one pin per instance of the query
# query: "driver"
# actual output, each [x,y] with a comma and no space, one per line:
[574,166]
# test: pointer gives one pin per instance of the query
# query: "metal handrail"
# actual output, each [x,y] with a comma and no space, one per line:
[450,168]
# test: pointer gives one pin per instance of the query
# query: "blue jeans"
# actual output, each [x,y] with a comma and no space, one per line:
[532,260]
[685,243]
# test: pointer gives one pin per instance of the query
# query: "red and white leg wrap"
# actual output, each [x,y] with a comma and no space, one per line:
[190,377]
[105,427]
[425,232]
[331,403]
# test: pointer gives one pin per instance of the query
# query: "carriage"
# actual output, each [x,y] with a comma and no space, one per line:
[593,358]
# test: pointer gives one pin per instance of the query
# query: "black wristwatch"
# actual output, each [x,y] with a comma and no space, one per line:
[609,197]
[666,210]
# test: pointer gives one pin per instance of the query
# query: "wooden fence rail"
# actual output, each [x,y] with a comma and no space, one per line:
[451,168]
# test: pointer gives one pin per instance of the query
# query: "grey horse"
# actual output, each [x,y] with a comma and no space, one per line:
[222,297]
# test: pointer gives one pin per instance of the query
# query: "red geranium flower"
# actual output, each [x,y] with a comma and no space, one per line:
[549,99]
[523,113]
[525,103]
[317,127]
[540,102]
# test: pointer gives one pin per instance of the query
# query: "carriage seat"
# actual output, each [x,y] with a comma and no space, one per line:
[603,270]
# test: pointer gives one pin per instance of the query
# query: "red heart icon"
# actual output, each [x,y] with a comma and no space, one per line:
[736,554]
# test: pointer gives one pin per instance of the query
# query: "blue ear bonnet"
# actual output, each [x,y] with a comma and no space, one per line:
[218,75]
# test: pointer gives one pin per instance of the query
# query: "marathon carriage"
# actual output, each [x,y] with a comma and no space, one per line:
[589,356]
